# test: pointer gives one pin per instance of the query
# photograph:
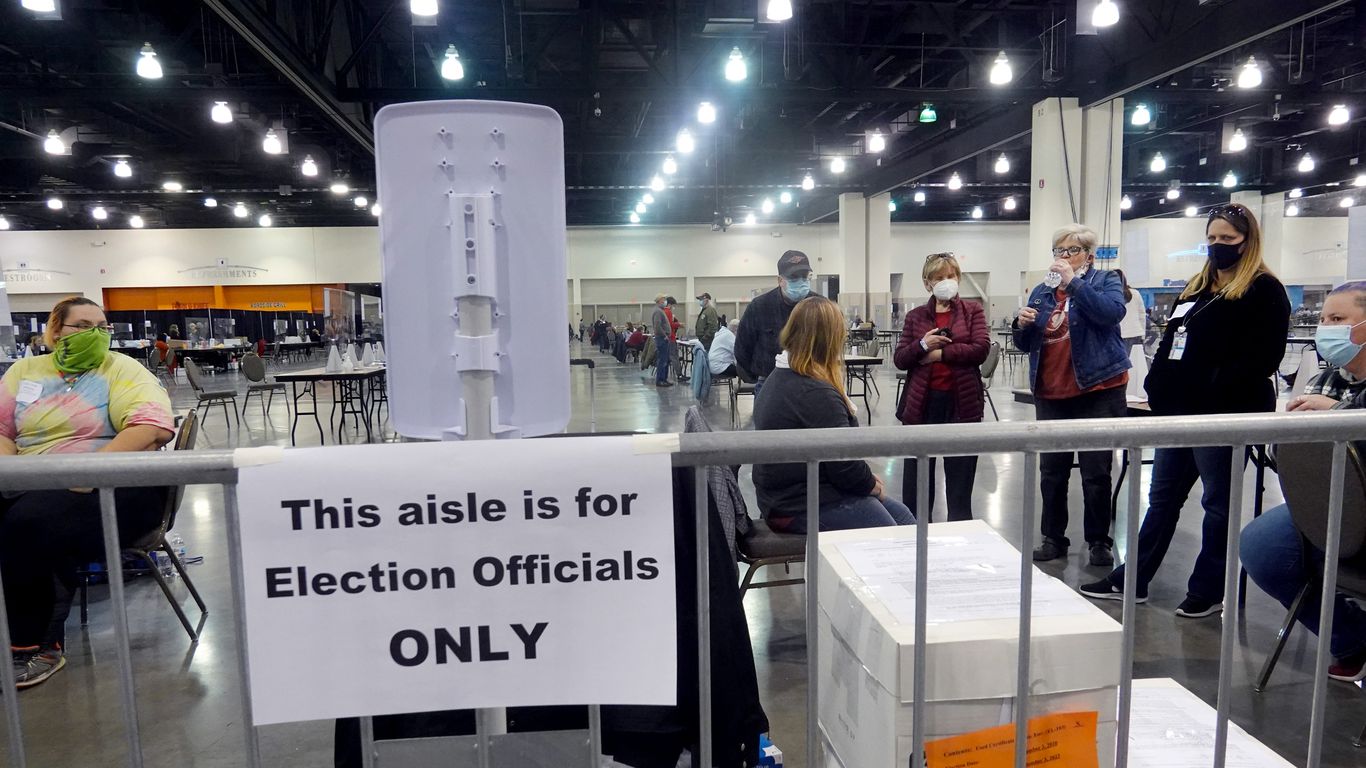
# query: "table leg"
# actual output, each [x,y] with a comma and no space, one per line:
[363,388]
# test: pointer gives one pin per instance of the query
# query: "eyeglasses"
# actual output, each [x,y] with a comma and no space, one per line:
[1221,211]
[1072,250]
[86,325]
[937,256]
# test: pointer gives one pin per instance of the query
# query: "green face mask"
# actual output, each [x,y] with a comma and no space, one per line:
[83,351]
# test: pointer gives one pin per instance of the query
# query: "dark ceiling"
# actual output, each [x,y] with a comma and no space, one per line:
[626,76]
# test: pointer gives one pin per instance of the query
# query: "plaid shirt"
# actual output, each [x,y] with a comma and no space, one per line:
[1331,383]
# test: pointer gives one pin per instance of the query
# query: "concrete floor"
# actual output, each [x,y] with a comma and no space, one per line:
[188,695]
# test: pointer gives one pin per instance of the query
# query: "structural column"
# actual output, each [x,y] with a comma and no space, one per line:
[865,242]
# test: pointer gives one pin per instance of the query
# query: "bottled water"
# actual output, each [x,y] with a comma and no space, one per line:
[1052,279]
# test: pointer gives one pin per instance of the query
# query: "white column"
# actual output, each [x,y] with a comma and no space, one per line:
[1055,195]
[853,246]
[1102,170]
[879,261]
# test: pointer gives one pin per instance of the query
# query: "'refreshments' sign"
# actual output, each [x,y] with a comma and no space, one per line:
[223,270]
[429,576]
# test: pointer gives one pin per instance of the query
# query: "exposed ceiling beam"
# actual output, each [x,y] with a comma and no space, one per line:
[664,95]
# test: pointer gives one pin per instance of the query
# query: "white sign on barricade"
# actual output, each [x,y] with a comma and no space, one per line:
[383,579]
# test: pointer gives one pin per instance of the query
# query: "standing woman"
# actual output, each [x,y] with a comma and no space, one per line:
[942,347]
[1223,343]
[1078,369]
[806,391]
[1134,327]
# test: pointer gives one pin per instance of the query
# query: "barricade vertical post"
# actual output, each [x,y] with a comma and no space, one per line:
[113,554]
[703,616]
[367,742]
[923,512]
[1231,604]
[594,736]
[1130,611]
[1031,473]
[239,600]
[9,697]
[1330,585]
[813,553]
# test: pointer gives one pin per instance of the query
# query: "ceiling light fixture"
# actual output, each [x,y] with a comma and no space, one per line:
[1360,180]
[423,7]
[1106,14]
[1230,180]
[779,10]
[210,202]
[1141,115]
[1174,191]
[220,113]
[1237,142]
[927,114]
[135,221]
[309,168]
[648,199]
[1159,163]
[361,201]
[919,196]
[55,203]
[1339,115]
[339,188]
[122,169]
[685,143]
[1251,74]
[634,217]
[876,142]
[785,198]
[1292,210]
[4,223]
[670,165]
[640,207]
[706,113]
[955,181]
[239,210]
[657,183]
[148,66]
[1306,163]
[375,210]
[451,67]
[1003,164]
[766,206]
[837,165]
[1192,211]
[53,144]
[99,213]
[976,211]
[1001,72]
[891,206]
[736,69]
[265,220]
[1347,202]
[172,186]
[750,219]
[808,183]
[1125,203]
[271,144]
[40,6]
[1009,204]
[1296,193]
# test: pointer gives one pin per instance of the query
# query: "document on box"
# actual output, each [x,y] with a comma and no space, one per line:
[971,578]
[1171,728]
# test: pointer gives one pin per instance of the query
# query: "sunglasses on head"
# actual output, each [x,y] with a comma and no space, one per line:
[944,255]
[1224,211]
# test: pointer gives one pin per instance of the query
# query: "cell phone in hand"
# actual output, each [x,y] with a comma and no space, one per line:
[947,332]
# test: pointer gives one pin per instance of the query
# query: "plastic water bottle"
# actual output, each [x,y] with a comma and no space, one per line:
[178,546]
[1052,279]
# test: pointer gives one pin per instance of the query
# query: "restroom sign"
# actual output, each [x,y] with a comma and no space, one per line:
[428,576]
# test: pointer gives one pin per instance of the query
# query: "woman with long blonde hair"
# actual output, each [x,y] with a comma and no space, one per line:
[1221,348]
[806,391]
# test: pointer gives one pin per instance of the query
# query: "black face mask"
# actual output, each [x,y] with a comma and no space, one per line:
[1225,255]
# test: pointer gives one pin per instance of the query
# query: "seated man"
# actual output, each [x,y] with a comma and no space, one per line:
[636,340]
[79,399]
[1273,551]
[721,358]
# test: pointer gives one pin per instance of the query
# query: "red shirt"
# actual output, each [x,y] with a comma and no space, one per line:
[1057,377]
[673,324]
[941,376]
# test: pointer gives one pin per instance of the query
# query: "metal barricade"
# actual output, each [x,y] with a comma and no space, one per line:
[811,447]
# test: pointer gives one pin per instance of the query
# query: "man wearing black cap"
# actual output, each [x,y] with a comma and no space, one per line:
[708,323]
[757,343]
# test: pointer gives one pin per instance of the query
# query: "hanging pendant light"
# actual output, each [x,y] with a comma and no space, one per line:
[451,67]
[148,66]
[1001,71]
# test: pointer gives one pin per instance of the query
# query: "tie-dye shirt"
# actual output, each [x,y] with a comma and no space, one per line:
[43,412]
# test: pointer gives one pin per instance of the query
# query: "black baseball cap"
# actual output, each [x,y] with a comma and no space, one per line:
[793,263]
[706,296]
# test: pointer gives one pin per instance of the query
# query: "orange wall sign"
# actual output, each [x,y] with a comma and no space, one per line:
[1065,739]
[260,298]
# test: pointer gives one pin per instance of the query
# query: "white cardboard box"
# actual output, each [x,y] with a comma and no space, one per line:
[866,642]
[1170,727]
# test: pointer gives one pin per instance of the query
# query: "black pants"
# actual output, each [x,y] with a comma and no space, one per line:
[959,471]
[46,535]
[1055,469]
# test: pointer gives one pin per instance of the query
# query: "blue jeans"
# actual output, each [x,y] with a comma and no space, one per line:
[1175,471]
[857,512]
[661,359]
[1276,559]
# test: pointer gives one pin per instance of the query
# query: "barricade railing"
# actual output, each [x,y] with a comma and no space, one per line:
[810,447]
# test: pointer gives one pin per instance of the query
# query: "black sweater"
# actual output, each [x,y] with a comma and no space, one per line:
[792,401]
[757,342]
[1233,348]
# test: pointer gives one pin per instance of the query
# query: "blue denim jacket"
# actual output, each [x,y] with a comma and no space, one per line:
[1098,351]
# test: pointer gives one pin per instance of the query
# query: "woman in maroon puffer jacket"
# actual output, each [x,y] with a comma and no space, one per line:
[943,379]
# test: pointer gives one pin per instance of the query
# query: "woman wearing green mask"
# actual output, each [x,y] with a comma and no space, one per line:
[81,398]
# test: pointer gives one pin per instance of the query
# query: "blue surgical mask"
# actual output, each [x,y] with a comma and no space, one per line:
[1334,343]
[796,290]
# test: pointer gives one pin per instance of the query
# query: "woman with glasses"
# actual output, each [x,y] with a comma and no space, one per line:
[1223,343]
[81,398]
[942,347]
[1078,369]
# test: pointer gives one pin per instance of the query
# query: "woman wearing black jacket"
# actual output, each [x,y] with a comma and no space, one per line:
[1223,344]
[806,391]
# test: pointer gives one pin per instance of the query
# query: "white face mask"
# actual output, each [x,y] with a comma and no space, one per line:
[946,289]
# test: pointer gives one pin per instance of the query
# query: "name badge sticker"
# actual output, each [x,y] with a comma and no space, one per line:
[29,392]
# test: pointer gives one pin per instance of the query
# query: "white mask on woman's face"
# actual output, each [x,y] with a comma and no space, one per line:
[945,289]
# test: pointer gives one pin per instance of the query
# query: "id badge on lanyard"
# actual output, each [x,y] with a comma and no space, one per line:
[1178,344]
